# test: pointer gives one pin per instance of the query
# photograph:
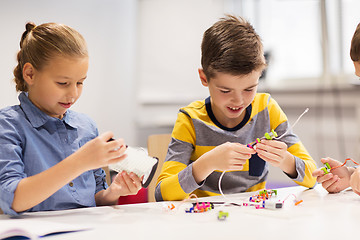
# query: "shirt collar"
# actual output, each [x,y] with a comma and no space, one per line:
[37,117]
[217,123]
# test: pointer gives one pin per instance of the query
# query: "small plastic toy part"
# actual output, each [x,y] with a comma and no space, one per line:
[269,205]
[261,200]
[200,207]
[263,195]
[222,215]
[171,206]
[272,205]
[269,136]
[190,210]
[266,194]
[326,169]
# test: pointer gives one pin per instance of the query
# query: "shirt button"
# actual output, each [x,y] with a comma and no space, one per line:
[71,184]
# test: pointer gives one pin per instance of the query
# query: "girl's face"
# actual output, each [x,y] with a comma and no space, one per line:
[231,95]
[58,85]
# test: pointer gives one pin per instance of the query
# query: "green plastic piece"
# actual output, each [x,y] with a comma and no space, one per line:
[223,215]
[327,165]
[270,135]
[267,136]
[274,133]
[324,169]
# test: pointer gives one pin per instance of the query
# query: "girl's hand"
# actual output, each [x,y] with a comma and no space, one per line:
[99,152]
[335,181]
[275,153]
[125,184]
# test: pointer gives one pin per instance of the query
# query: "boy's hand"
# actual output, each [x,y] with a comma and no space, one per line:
[225,157]
[229,156]
[125,184]
[335,181]
[355,181]
[275,153]
[99,152]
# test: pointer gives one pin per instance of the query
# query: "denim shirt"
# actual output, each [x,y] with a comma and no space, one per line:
[31,142]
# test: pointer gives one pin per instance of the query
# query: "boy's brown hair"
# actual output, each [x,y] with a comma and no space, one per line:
[355,45]
[39,44]
[231,46]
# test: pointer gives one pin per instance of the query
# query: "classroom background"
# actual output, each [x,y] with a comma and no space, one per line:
[144,56]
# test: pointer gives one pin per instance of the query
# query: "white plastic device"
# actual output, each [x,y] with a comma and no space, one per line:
[138,162]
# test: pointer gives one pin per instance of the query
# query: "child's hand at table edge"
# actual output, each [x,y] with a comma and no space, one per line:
[126,184]
[336,180]
[355,181]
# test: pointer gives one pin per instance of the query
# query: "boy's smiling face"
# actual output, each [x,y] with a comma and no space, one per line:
[231,95]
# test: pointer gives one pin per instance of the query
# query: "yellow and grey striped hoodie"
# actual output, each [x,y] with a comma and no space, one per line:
[197,131]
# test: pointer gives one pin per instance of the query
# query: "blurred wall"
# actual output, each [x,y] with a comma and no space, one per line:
[109,27]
